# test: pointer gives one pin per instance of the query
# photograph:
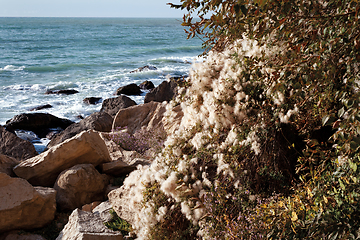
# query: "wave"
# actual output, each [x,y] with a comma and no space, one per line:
[12,68]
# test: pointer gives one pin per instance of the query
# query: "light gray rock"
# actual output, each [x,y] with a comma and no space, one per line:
[43,170]
[87,226]
[80,185]
[24,206]
[104,209]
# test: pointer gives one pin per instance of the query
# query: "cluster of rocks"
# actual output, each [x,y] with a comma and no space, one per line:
[76,170]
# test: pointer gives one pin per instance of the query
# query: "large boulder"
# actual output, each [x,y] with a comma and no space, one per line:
[7,163]
[164,92]
[113,105]
[130,89]
[15,147]
[42,170]
[87,226]
[98,121]
[147,115]
[79,185]
[24,206]
[39,123]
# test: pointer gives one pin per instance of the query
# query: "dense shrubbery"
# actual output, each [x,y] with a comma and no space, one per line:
[268,146]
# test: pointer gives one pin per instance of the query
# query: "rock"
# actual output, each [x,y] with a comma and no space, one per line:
[92,100]
[24,206]
[147,115]
[85,147]
[164,92]
[39,123]
[116,152]
[90,206]
[147,85]
[120,168]
[124,201]
[87,226]
[98,121]
[144,68]
[65,91]
[104,209]
[7,163]
[41,107]
[113,105]
[15,235]
[15,147]
[79,185]
[131,89]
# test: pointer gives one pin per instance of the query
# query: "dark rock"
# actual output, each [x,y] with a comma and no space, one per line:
[65,91]
[144,68]
[113,105]
[15,147]
[41,107]
[164,92]
[99,121]
[39,123]
[92,100]
[147,85]
[131,89]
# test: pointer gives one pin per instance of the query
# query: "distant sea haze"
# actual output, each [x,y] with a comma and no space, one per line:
[91,55]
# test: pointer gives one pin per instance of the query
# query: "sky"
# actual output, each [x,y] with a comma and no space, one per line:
[89,8]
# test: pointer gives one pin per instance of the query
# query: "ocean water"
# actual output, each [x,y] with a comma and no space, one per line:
[91,55]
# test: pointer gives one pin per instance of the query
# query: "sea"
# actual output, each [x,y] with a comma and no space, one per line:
[94,56]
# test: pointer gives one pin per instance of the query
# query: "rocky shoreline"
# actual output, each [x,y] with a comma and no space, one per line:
[78,166]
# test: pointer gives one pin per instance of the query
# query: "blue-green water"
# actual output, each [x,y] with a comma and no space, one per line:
[91,55]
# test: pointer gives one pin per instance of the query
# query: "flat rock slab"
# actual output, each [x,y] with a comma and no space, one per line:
[43,170]
[24,206]
[87,226]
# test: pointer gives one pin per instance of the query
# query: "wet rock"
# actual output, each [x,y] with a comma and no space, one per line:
[39,123]
[113,105]
[144,68]
[15,147]
[92,100]
[41,107]
[65,91]
[164,92]
[147,85]
[131,89]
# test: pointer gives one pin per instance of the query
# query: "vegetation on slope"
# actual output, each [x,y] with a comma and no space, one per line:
[268,146]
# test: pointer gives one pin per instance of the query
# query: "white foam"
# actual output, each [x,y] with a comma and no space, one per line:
[12,68]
